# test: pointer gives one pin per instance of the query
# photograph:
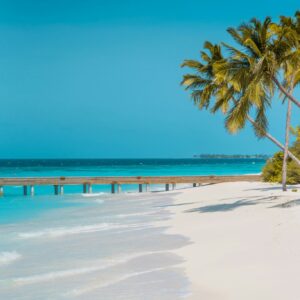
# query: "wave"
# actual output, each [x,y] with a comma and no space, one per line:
[89,288]
[99,201]
[97,266]
[9,257]
[134,214]
[93,194]
[56,275]
[63,231]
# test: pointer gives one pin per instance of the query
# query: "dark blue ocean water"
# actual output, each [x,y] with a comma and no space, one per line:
[129,167]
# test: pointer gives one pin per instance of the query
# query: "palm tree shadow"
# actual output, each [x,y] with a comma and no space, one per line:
[230,206]
[221,207]
[287,204]
[270,188]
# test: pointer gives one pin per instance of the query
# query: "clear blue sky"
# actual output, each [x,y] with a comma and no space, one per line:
[101,78]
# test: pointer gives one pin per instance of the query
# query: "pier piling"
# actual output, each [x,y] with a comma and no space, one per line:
[140,188]
[31,190]
[119,188]
[167,186]
[87,188]
[173,186]
[25,190]
[113,188]
[1,190]
[61,189]
[147,187]
[55,189]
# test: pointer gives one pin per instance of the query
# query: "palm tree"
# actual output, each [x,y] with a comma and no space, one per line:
[286,145]
[289,32]
[206,85]
[262,51]
[266,49]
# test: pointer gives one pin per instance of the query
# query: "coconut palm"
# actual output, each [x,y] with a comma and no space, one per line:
[260,54]
[209,90]
[289,32]
[266,50]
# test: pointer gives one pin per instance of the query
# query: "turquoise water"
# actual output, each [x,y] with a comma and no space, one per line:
[95,246]
[123,167]
[107,248]
[13,205]
[15,208]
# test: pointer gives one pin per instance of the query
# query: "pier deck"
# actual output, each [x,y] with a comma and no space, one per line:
[28,183]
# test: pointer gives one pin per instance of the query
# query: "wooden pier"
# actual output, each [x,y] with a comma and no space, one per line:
[143,182]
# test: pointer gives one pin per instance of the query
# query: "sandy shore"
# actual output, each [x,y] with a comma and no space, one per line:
[245,240]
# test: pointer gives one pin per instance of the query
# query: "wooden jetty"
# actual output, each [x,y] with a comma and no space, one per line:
[143,182]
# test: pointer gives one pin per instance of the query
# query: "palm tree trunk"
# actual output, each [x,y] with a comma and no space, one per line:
[276,142]
[285,92]
[286,146]
[271,138]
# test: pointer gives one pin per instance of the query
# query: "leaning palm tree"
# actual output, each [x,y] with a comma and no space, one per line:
[209,90]
[266,49]
[260,53]
[288,31]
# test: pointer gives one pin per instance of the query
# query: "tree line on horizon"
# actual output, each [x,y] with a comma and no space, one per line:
[206,155]
[242,79]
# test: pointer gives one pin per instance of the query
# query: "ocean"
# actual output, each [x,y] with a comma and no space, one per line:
[96,246]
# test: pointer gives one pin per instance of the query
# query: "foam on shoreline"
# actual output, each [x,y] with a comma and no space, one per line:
[64,231]
[9,257]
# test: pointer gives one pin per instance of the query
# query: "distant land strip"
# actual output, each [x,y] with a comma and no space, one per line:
[241,156]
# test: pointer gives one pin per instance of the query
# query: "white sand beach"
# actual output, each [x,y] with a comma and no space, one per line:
[245,240]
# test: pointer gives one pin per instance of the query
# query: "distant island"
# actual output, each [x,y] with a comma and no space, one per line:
[255,156]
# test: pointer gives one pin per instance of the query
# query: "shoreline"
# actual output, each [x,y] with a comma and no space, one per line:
[234,240]
[243,239]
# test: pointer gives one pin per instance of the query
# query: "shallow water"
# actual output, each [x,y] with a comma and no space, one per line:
[120,167]
[97,247]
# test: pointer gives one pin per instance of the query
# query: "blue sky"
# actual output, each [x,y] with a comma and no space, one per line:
[93,79]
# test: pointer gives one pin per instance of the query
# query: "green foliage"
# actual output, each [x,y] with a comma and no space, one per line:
[272,172]
[242,77]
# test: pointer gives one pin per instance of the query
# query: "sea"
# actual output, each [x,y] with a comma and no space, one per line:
[99,245]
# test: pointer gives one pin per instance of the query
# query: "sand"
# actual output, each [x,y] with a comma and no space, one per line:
[245,240]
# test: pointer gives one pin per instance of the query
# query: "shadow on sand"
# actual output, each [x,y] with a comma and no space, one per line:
[287,204]
[270,188]
[231,206]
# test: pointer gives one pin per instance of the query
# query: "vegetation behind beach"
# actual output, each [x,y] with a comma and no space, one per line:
[272,172]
